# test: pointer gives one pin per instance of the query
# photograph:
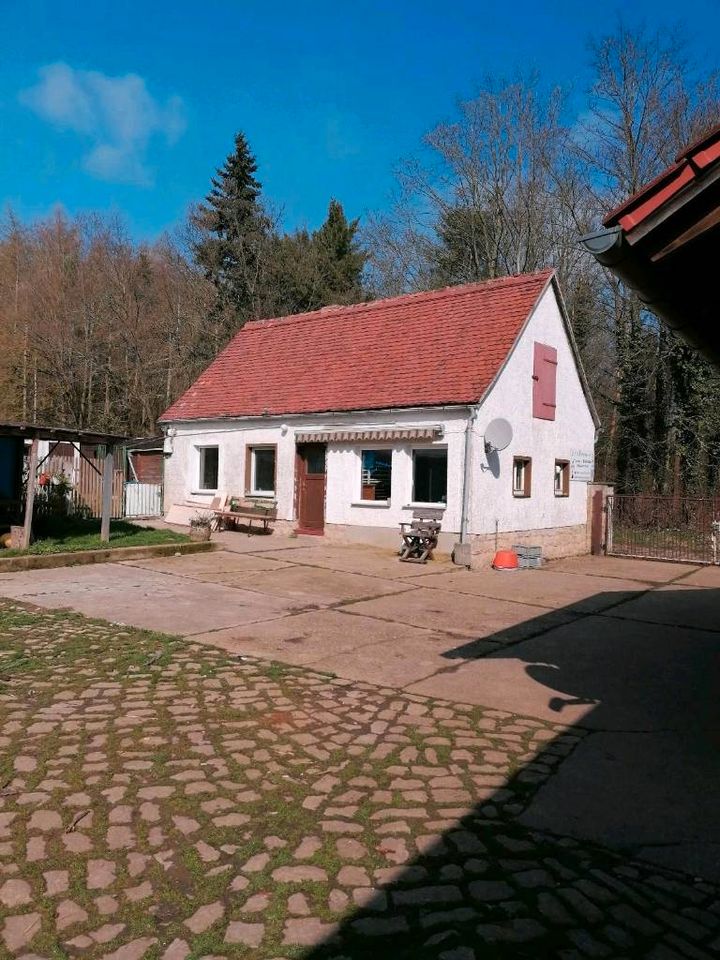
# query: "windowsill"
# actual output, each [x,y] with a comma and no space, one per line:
[203,493]
[260,496]
[562,496]
[521,496]
[419,505]
[384,504]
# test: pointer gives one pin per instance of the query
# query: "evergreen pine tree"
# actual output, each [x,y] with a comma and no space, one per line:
[234,234]
[341,259]
[312,270]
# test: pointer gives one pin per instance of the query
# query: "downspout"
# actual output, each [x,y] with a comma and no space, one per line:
[461,556]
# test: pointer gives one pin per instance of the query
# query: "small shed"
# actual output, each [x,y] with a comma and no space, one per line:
[20,442]
[144,465]
[145,459]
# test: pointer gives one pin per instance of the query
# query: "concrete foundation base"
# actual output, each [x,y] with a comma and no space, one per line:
[387,537]
[556,542]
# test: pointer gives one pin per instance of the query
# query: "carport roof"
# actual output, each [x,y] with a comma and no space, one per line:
[663,241]
[43,431]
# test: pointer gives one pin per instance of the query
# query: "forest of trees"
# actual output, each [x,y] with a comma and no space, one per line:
[97,330]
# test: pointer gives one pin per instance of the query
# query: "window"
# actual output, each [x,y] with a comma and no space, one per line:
[376,472]
[260,471]
[544,381]
[429,476]
[522,476]
[562,478]
[208,468]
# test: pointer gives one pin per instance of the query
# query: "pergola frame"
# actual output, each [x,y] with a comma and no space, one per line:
[37,432]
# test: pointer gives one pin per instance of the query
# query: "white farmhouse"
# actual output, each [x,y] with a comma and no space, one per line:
[349,418]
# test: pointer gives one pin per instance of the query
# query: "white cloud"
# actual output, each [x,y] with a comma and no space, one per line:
[115,116]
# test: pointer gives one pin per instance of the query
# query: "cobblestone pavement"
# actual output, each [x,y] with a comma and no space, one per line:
[159,799]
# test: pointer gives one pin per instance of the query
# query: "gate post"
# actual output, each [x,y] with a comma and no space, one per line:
[598,494]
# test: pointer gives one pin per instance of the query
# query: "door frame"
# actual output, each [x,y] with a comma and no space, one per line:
[300,474]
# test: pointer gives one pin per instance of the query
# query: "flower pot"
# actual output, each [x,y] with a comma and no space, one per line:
[199,533]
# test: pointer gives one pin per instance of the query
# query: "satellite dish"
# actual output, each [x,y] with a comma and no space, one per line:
[498,434]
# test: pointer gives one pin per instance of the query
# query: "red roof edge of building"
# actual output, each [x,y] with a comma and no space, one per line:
[422,295]
[691,162]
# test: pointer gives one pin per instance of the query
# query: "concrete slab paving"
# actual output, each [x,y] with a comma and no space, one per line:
[637,679]
[702,577]
[677,604]
[398,662]
[544,588]
[505,684]
[626,568]
[316,586]
[143,598]
[316,637]
[371,561]
[478,618]
[236,541]
[206,566]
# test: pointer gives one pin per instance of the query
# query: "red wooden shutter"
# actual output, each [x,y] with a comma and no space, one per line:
[544,381]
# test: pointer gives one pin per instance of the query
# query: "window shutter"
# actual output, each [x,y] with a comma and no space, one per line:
[544,381]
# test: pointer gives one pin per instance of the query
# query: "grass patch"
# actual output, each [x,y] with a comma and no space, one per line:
[68,535]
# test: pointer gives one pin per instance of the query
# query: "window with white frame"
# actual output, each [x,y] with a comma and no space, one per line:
[262,471]
[522,476]
[376,474]
[208,460]
[430,475]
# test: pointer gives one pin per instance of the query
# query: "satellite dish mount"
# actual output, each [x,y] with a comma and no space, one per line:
[498,435]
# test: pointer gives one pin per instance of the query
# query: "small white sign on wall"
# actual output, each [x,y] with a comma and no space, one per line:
[582,466]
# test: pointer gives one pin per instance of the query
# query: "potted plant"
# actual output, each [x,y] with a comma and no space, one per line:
[201,525]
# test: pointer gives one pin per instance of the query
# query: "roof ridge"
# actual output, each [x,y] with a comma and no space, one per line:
[437,293]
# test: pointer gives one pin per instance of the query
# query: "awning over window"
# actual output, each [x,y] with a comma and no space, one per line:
[433,432]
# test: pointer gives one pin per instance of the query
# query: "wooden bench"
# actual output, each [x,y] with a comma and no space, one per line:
[236,511]
[420,535]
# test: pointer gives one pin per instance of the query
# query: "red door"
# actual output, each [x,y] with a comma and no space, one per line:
[311,487]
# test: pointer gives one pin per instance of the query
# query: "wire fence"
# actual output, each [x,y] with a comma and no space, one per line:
[664,528]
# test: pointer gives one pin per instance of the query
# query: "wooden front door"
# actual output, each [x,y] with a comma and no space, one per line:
[311,487]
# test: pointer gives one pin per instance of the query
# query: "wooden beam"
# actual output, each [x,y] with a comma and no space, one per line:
[107,491]
[30,492]
[706,223]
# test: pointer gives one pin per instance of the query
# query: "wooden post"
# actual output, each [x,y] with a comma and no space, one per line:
[107,492]
[30,492]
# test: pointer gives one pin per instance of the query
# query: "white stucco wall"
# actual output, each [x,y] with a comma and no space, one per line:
[544,441]
[343,503]
[491,497]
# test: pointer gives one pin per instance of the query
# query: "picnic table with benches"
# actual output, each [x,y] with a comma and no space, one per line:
[420,535]
[236,510]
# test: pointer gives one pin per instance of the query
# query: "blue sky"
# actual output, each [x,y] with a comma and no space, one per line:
[130,106]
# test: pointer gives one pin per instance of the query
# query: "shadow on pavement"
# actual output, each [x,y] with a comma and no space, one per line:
[607,848]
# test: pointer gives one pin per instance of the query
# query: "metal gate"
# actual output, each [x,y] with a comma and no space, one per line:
[143,499]
[664,528]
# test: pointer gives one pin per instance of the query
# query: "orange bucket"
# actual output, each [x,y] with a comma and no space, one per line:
[505,560]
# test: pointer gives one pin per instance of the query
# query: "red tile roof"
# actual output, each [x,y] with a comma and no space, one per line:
[423,349]
[691,164]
